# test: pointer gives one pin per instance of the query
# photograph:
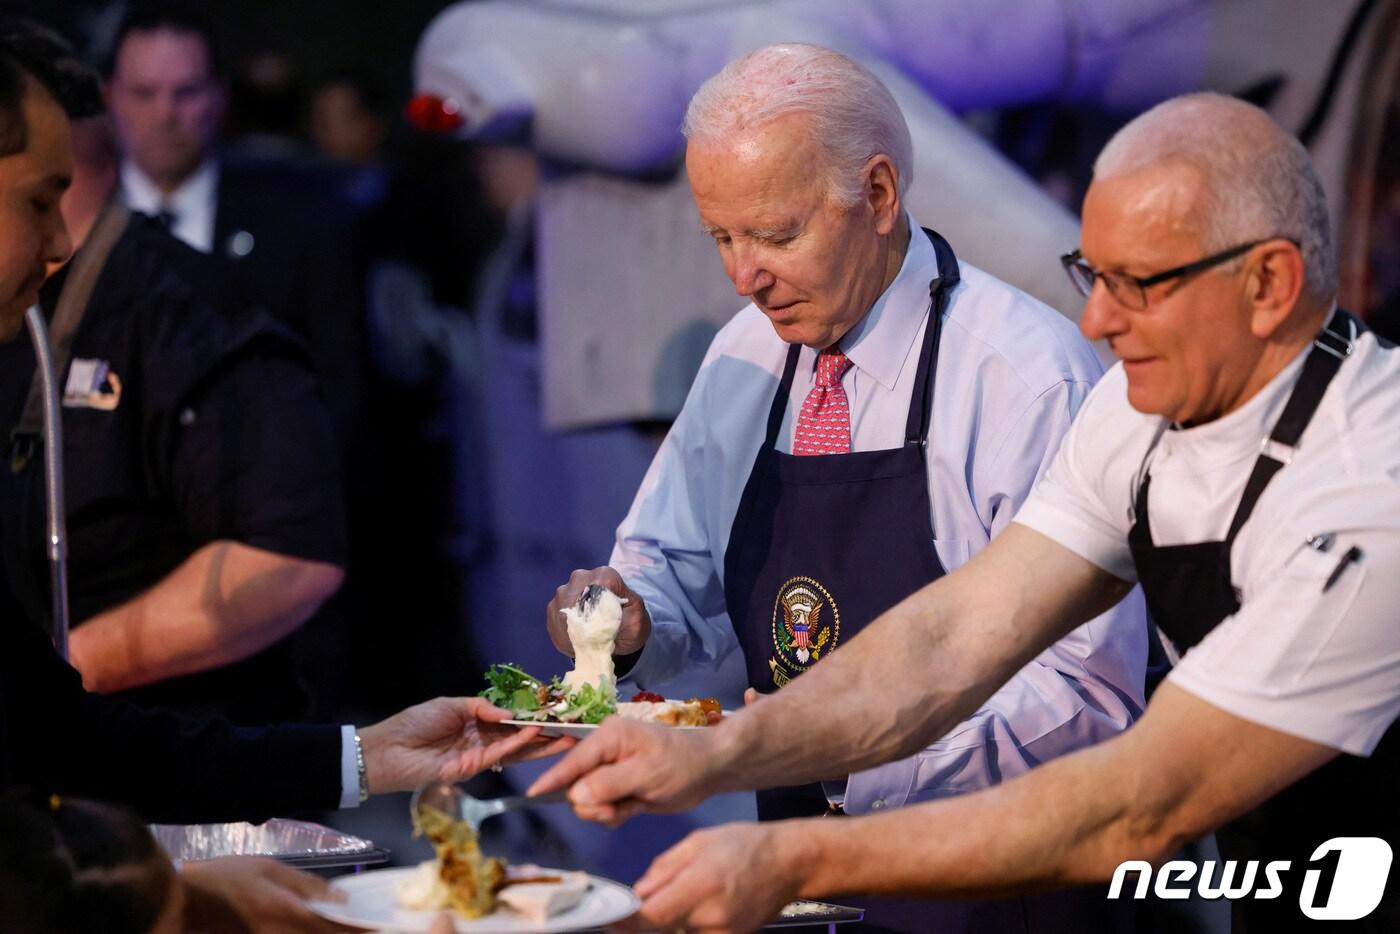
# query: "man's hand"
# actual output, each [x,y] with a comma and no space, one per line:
[731,878]
[636,621]
[627,767]
[251,893]
[446,739]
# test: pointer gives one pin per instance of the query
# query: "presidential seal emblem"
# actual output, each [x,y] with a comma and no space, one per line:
[806,625]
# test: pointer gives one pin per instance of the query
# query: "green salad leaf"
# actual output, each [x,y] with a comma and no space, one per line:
[518,691]
[589,704]
[512,688]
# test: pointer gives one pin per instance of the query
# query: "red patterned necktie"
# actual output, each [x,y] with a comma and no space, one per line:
[824,426]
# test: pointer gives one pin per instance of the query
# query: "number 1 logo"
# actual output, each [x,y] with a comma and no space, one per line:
[1358,875]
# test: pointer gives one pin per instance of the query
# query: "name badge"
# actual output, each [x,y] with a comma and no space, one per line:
[92,385]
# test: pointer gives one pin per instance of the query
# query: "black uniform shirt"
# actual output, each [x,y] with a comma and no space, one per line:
[217,432]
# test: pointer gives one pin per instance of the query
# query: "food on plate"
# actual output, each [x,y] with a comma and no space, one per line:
[694,712]
[538,896]
[588,693]
[529,698]
[461,877]
[471,884]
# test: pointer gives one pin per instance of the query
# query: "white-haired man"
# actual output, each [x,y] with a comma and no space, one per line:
[932,394]
[1241,465]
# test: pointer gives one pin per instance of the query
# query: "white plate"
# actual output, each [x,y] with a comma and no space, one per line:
[373,903]
[552,728]
[556,729]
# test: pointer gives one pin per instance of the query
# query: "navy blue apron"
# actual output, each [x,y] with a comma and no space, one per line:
[820,547]
[1190,590]
[808,560]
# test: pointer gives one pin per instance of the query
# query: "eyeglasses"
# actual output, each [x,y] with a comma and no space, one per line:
[1131,291]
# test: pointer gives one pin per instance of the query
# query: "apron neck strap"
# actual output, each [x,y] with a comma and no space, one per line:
[1330,348]
[780,398]
[921,402]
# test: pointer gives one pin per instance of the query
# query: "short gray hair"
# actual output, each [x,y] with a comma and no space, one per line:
[852,114]
[1259,180]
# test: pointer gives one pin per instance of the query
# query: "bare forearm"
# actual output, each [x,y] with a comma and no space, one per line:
[224,603]
[1181,771]
[1059,825]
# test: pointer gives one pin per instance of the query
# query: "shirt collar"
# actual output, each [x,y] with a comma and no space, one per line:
[881,342]
[194,197]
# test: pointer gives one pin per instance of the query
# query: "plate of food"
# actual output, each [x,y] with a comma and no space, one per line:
[483,894]
[578,701]
[374,902]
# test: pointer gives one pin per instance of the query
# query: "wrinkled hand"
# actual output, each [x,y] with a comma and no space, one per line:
[252,893]
[447,739]
[632,634]
[627,767]
[736,877]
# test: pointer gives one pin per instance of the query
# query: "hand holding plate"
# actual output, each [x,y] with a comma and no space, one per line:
[447,739]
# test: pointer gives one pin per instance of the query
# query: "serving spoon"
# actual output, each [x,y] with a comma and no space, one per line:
[457,804]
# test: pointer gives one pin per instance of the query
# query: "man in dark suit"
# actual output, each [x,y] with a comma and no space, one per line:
[289,244]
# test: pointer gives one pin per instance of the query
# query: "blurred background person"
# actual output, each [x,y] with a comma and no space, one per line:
[349,125]
[288,244]
[348,116]
[69,864]
[76,865]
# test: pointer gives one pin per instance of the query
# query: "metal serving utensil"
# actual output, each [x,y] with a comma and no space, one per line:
[457,804]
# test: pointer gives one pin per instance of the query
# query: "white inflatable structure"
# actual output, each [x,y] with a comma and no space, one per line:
[598,88]
[630,291]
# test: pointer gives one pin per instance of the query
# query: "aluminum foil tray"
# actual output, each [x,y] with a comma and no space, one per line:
[297,842]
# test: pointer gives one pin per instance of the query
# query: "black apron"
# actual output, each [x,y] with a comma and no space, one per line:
[821,546]
[1190,590]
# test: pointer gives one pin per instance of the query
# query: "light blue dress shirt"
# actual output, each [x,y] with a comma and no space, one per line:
[1011,373]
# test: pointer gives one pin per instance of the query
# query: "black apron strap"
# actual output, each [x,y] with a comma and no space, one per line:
[82,277]
[1330,348]
[779,406]
[921,402]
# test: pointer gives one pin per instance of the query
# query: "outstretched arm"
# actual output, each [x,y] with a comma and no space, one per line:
[922,667]
[1185,768]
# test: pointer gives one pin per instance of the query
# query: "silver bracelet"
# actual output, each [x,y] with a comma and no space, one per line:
[360,768]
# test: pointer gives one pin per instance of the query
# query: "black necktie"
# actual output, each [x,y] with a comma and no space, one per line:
[167,218]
